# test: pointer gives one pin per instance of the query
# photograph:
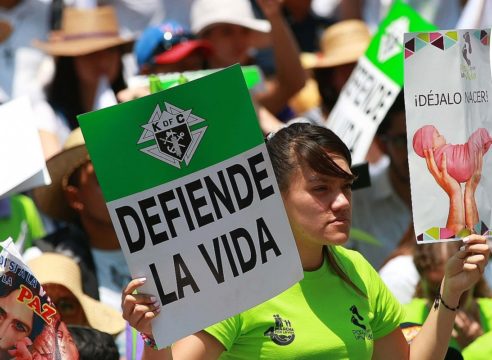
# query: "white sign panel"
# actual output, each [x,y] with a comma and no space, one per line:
[22,163]
[449,125]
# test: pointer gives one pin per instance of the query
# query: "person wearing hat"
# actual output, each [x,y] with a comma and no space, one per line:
[61,278]
[87,235]
[169,47]
[166,48]
[341,46]
[88,54]
[233,31]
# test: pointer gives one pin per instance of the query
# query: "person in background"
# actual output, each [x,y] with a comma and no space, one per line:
[340,292]
[232,29]
[88,66]
[21,21]
[341,46]
[474,315]
[166,48]
[75,200]
[169,47]
[383,210]
[93,344]
[61,279]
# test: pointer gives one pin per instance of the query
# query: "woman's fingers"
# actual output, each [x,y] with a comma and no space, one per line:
[139,309]
[474,253]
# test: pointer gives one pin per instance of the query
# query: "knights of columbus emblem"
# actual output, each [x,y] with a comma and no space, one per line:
[170,130]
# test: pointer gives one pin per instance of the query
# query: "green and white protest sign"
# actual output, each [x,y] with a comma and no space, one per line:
[449,125]
[375,82]
[194,201]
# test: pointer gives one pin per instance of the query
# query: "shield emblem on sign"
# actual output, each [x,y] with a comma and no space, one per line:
[174,141]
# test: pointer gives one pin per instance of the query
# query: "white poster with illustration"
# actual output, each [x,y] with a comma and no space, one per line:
[449,124]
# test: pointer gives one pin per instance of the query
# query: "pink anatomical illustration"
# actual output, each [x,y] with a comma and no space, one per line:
[461,159]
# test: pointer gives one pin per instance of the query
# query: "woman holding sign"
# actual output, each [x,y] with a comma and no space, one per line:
[341,309]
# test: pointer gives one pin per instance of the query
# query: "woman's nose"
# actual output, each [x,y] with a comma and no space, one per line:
[342,201]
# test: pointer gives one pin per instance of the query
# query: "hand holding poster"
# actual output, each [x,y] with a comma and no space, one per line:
[31,327]
[449,127]
[194,201]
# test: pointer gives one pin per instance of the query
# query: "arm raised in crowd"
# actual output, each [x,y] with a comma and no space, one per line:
[463,270]
[290,76]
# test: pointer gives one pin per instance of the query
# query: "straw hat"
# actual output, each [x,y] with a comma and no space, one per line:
[342,43]
[53,268]
[205,13]
[5,31]
[51,199]
[84,31]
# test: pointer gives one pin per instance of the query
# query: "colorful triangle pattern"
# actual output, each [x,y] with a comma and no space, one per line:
[440,40]
[436,233]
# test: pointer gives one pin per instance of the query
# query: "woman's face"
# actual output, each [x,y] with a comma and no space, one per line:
[437,139]
[15,320]
[67,304]
[230,44]
[319,206]
[93,66]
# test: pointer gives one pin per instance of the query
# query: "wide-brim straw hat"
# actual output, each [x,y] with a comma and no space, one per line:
[205,13]
[85,31]
[51,199]
[53,268]
[342,43]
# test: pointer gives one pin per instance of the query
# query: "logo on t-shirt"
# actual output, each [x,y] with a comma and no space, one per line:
[282,333]
[356,318]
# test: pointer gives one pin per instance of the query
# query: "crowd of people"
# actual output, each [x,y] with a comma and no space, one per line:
[358,250]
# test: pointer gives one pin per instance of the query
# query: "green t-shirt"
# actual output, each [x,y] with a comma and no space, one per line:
[321,317]
[416,312]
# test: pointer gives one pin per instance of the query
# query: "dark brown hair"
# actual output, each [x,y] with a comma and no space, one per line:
[63,93]
[303,143]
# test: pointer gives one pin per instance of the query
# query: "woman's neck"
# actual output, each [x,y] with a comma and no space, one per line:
[311,257]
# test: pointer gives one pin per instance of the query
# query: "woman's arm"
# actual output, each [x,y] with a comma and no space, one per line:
[463,270]
[140,309]
[471,211]
[456,215]
[290,77]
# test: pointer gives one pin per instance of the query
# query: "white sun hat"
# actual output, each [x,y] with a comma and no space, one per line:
[205,13]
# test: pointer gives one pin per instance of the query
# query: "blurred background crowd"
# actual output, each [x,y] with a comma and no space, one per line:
[71,56]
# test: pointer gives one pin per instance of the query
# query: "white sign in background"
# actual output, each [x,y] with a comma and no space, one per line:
[361,106]
[438,92]
[204,298]
[22,163]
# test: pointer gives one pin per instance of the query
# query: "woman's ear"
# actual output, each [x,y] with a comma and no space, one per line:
[72,198]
